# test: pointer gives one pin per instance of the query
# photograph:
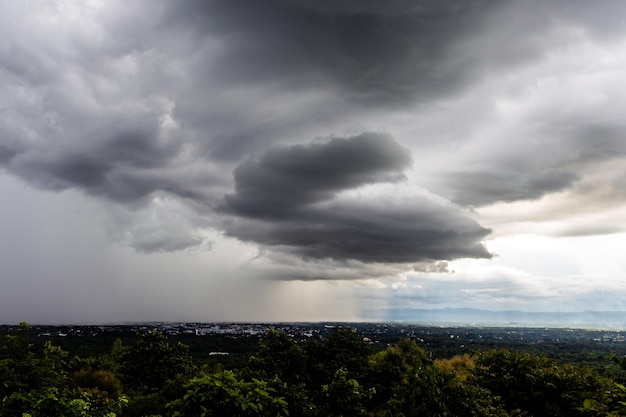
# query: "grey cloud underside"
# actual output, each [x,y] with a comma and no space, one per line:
[371,234]
[371,53]
[126,167]
[151,244]
[7,153]
[391,54]
[367,52]
[288,199]
[539,171]
[599,142]
[376,53]
[234,77]
[482,188]
[286,179]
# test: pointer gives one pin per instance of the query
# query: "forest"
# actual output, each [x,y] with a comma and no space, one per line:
[151,374]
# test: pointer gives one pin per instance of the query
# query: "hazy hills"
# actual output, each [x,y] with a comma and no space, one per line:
[471,316]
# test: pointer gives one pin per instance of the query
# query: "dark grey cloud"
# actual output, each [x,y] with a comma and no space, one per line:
[291,200]
[352,230]
[364,55]
[172,97]
[107,167]
[8,152]
[598,142]
[379,53]
[159,240]
[552,164]
[163,126]
[475,188]
[285,179]
[371,53]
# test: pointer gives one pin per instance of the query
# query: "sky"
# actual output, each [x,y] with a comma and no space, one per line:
[275,160]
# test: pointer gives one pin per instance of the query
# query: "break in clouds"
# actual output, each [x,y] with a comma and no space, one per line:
[218,107]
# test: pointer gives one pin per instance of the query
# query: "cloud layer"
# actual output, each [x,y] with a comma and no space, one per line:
[340,131]
[301,198]
[285,179]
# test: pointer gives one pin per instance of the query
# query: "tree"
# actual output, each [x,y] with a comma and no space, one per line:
[38,384]
[537,385]
[345,397]
[389,370]
[223,394]
[407,383]
[283,364]
[154,372]
[280,356]
[19,368]
[613,401]
[345,349]
[464,397]
[150,363]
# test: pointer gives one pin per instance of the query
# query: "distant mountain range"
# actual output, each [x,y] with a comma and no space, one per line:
[472,316]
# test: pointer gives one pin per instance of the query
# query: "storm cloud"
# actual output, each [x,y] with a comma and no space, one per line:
[306,141]
[371,53]
[285,179]
[110,168]
[313,200]
[482,188]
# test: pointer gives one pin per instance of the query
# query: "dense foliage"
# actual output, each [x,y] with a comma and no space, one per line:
[340,376]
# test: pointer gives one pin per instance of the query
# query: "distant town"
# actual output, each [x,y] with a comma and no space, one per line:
[373,333]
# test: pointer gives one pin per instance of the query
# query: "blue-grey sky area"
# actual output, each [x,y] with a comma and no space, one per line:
[310,160]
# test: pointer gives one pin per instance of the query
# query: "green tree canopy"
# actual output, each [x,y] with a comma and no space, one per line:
[152,361]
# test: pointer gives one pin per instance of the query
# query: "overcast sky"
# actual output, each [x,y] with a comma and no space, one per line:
[310,160]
